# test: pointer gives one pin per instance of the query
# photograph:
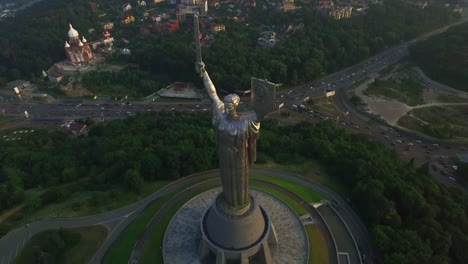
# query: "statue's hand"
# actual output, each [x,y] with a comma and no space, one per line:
[200,68]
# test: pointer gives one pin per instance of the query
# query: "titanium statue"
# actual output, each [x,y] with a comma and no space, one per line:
[235,227]
[236,137]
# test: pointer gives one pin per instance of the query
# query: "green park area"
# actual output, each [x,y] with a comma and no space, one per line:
[123,246]
[402,86]
[324,104]
[80,201]
[151,252]
[443,57]
[299,189]
[444,122]
[67,246]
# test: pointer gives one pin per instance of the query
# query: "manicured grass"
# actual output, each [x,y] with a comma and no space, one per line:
[300,169]
[79,245]
[295,206]
[318,251]
[152,250]
[301,190]
[123,246]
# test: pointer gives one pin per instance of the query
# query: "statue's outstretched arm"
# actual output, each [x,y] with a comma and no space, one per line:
[209,86]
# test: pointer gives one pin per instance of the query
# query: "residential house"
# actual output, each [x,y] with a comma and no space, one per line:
[217,27]
[341,12]
[108,25]
[128,18]
[126,7]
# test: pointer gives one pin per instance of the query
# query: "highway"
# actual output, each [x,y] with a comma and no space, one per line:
[65,110]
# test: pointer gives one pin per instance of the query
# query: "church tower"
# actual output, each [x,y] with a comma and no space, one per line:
[78,51]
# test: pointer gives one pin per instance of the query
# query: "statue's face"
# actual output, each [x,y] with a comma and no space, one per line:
[230,106]
[231,102]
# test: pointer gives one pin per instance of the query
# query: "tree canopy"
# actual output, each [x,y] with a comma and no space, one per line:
[411,217]
[444,57]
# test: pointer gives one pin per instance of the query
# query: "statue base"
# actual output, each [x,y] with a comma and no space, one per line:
[234,236]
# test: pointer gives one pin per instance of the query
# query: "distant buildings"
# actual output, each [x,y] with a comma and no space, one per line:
[217,27]
[341,12]
[288,5]
[190,8]
[328,8]
[108,25]
[267,39]
[128,18]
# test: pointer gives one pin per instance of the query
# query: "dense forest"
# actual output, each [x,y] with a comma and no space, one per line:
[444,57]
[412,218]
[323,45]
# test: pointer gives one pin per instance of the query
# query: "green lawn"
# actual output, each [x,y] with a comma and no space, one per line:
[444,122]
[152,253]
[122,248]
[407,89]
[82,202]
[318,251]
[152,250]
[301,190]
[72,246]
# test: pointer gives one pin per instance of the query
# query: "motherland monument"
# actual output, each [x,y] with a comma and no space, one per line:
[235,228]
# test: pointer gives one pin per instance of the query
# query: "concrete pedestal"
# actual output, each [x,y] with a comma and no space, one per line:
[237,235]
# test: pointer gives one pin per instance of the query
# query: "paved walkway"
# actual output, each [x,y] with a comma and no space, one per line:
[183,233]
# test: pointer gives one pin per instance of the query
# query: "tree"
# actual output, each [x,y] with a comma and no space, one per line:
[133,180]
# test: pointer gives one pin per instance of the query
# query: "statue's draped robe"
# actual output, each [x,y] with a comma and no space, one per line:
[236,140]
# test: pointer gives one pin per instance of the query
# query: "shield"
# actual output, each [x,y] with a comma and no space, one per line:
[263,94]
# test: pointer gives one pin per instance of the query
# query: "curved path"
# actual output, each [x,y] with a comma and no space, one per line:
[117,220]
[149,230]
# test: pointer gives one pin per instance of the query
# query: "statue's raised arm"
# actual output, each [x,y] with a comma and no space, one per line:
[209,86]
[200,66]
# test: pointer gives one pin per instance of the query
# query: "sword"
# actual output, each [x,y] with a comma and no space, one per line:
[196,35]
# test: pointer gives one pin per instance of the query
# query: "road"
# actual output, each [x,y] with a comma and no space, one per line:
[65,109]
[117,220]
[149,230]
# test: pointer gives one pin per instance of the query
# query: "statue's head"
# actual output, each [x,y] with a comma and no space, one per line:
[231,101]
